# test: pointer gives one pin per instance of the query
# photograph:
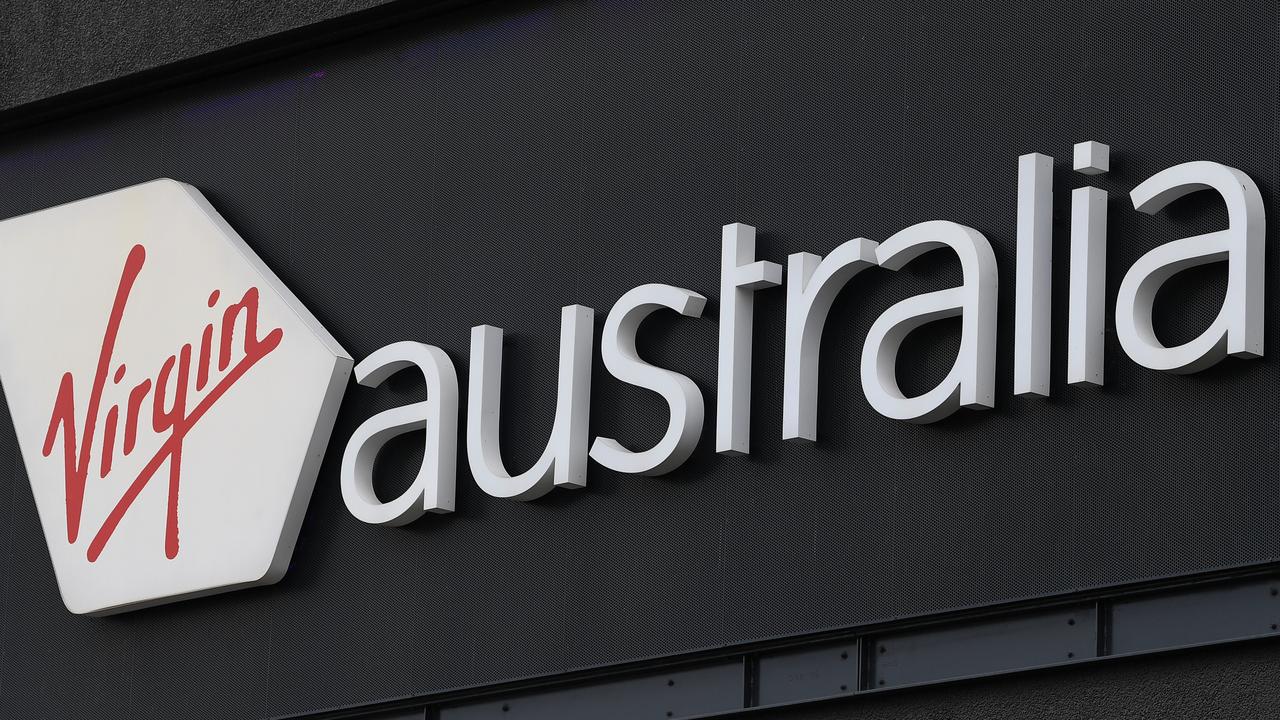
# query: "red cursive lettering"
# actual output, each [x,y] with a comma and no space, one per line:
[170,415]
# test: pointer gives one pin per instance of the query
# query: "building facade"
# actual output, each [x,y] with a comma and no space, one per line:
[707,360]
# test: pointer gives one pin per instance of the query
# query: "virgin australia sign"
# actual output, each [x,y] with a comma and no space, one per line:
[173,399]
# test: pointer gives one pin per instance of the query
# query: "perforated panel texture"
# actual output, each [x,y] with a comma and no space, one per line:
[496,164]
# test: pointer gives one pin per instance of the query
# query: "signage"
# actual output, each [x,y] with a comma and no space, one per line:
[172,399]
[812,284]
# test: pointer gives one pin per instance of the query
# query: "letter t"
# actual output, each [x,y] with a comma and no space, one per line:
[740,276]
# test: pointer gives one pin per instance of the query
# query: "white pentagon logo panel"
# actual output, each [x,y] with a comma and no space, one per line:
[172,399]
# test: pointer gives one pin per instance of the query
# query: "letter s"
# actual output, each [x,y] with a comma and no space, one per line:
[618,349]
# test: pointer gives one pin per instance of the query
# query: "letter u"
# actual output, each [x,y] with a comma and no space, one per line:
[564,460]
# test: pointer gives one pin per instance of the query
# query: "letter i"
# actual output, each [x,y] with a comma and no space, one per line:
[1032,291]
[206,347]
[1086,326]
[109,431]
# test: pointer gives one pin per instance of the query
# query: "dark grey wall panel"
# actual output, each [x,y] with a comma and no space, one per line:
[1189,618]
[412,184]
[679,693]
[1227,683]
[788,676]
[981,648]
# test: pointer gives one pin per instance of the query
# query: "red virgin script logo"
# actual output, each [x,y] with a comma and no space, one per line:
[171,415]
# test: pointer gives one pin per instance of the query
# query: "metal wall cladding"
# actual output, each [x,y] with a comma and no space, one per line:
[495,164]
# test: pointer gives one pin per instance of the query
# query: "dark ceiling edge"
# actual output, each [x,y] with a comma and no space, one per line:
[228,59]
